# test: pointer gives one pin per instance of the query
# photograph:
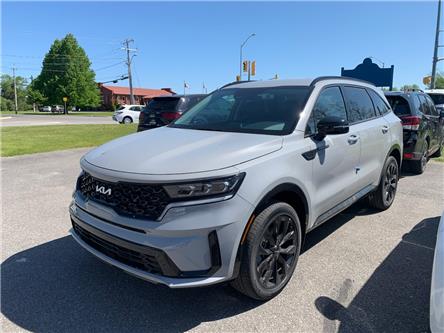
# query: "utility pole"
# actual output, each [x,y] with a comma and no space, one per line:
[128,50]
[15,89]
[435,53]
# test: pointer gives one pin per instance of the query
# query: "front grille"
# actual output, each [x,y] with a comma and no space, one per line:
[142,261]
[143,201]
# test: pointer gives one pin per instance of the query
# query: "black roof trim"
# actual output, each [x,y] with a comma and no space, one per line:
[323,78]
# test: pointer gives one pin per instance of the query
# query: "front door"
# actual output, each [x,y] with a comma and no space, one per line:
[337,157]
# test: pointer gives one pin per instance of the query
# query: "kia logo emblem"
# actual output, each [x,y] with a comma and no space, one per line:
[103,190]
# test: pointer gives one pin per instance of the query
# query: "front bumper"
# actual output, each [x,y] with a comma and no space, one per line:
[191,246]
[117,117]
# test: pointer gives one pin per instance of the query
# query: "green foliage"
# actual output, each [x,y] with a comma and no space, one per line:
[439,83]
[409,87]
[66,72]
[7,93]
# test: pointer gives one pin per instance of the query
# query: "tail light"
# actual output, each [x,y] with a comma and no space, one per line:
[141,116]
[411,122]
[170,116]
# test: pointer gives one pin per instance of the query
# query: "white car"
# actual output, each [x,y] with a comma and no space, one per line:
[229,190]
[437,289]
[127,114]
[46,108]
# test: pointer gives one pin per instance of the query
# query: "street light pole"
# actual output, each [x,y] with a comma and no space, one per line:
[15,89]
[241,47]
[435,53]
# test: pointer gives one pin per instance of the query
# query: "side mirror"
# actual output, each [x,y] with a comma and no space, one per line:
[330,126]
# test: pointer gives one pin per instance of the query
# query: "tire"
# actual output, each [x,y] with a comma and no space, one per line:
[383,197]
[127,120]
[419,166]
[266,268]
[438,153]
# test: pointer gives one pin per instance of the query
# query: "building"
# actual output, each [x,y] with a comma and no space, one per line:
[113,95]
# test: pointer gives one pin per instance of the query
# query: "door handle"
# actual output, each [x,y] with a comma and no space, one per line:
[385,129]
[352,139]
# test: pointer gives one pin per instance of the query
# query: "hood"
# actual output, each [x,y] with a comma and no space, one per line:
[167,150]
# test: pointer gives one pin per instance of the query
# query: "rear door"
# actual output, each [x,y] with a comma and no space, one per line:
[373,131]
[434,119]
[337,156]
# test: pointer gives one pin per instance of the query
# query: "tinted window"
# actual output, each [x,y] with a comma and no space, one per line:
[329,103]
[360,106]
[425,108]
[165,103]
[432,107]
[400,105]
[270,110]
[380,106]
[437,98]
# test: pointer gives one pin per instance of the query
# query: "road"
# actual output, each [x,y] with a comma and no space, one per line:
[363,271]
[36,120]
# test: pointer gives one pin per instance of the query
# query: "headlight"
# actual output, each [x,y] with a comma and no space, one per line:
[119,112]
[219,187]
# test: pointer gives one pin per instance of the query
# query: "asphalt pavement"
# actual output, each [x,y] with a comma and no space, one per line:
[48,119]
[362,271]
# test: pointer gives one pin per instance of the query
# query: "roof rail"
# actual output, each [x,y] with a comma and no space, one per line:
[234,83]
[322,78]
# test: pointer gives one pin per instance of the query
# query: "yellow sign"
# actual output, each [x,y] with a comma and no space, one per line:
[427,79]
[253,68]
[65,99]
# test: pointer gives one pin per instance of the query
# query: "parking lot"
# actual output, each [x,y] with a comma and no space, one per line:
[363,271]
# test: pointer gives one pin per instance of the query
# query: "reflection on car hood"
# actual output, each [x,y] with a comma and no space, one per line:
[168,150]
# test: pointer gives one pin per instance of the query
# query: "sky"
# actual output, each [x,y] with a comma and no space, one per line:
[199,42]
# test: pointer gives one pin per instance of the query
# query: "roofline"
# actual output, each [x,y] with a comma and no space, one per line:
[323,78]
[235,82]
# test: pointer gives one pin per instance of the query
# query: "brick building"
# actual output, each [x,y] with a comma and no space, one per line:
[120,95]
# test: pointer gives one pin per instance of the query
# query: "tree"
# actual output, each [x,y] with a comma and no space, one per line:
[410,87]
[66,72]
[439,83]
[7,93]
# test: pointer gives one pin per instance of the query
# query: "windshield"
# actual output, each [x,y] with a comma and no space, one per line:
[437,98]
[121,108]
[272,110]
[160,104]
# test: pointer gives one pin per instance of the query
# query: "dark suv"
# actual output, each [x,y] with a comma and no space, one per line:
[162,110]
[422,124]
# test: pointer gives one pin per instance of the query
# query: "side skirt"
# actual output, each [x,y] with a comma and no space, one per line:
[342,206]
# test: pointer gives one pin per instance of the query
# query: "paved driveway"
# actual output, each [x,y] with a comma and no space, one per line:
[35,120]
[363,271]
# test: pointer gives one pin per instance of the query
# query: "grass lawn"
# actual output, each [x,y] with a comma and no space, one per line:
[21,140]
[75,113]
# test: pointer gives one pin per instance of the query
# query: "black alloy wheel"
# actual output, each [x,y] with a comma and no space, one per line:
[269,252]
[276,252]
[390,183]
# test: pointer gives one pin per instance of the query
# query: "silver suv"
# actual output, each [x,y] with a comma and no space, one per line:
[229,190]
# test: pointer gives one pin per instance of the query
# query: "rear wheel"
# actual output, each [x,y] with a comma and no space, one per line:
[383,197]
[438,153]
[419,166]
[271,252]
[127,120]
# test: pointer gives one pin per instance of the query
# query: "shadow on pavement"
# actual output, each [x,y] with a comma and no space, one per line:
[396,296]
[59,287]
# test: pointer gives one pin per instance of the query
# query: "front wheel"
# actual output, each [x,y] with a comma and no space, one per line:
[127,120]
[271,252]
[383,197]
